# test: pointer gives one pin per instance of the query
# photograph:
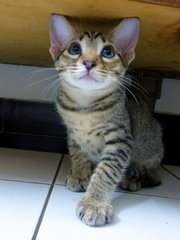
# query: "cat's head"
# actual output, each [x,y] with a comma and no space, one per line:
[92,60]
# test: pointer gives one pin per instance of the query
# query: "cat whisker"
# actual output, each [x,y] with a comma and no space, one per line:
[101,74]
[131,93]
[127,80]
[29,75]
[51,85]
[136,87]
[48,88]
[105,71]
[42,80]
[72,67]
[56,89]
[136,83]
[120,89]
[127,89]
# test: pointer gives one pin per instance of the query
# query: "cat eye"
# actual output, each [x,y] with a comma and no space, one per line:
[74,49]
[108,52]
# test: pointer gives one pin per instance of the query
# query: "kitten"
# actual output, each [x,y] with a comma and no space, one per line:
[112,139]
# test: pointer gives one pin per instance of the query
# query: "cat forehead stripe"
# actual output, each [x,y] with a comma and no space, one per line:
[101,35]
[92,35]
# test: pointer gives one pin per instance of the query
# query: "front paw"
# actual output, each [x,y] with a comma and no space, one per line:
[94,213]
[76,184]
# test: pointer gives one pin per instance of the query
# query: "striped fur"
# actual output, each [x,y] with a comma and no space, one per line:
[112,140]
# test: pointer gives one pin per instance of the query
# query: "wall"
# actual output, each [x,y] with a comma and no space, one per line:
[26,82]
[40,84]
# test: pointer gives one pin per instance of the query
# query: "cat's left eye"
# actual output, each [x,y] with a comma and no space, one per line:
[108,52]
[74,49]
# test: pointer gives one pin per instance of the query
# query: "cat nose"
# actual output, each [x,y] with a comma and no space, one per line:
[89,64]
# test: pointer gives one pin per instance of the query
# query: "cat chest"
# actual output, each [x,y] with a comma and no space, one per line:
[92,144]
[83,122]
[87,130]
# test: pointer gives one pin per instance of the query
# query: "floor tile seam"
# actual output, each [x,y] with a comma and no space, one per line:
[41,216]
[150,195]
[35,134]
[59,184]
[131,193]
[169,171]
[23,181]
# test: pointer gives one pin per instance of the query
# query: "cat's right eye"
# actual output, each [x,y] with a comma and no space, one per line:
[74,49]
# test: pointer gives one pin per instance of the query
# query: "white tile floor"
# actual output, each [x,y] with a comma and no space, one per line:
[35,204]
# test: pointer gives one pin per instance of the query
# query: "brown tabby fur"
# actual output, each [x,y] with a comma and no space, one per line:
[112,137]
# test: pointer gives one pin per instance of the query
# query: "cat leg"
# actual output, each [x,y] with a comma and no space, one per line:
[131,179]
[151,178]
[95,208]
[134,179]
[78,180]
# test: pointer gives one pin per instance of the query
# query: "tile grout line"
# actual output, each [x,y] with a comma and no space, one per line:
[149,195]
[169,171]
[135,193]
[23,181]
[38,135]
[38,225]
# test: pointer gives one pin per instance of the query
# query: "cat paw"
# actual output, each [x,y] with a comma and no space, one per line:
[94,213]
[131,180]
[76,184]
[131,185]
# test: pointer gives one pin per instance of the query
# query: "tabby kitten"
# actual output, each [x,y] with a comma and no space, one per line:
[112,138]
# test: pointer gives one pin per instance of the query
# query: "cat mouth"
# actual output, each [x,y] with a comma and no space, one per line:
[88,77]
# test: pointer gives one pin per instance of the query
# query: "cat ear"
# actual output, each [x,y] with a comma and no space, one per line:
[61,32]
[125,36]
